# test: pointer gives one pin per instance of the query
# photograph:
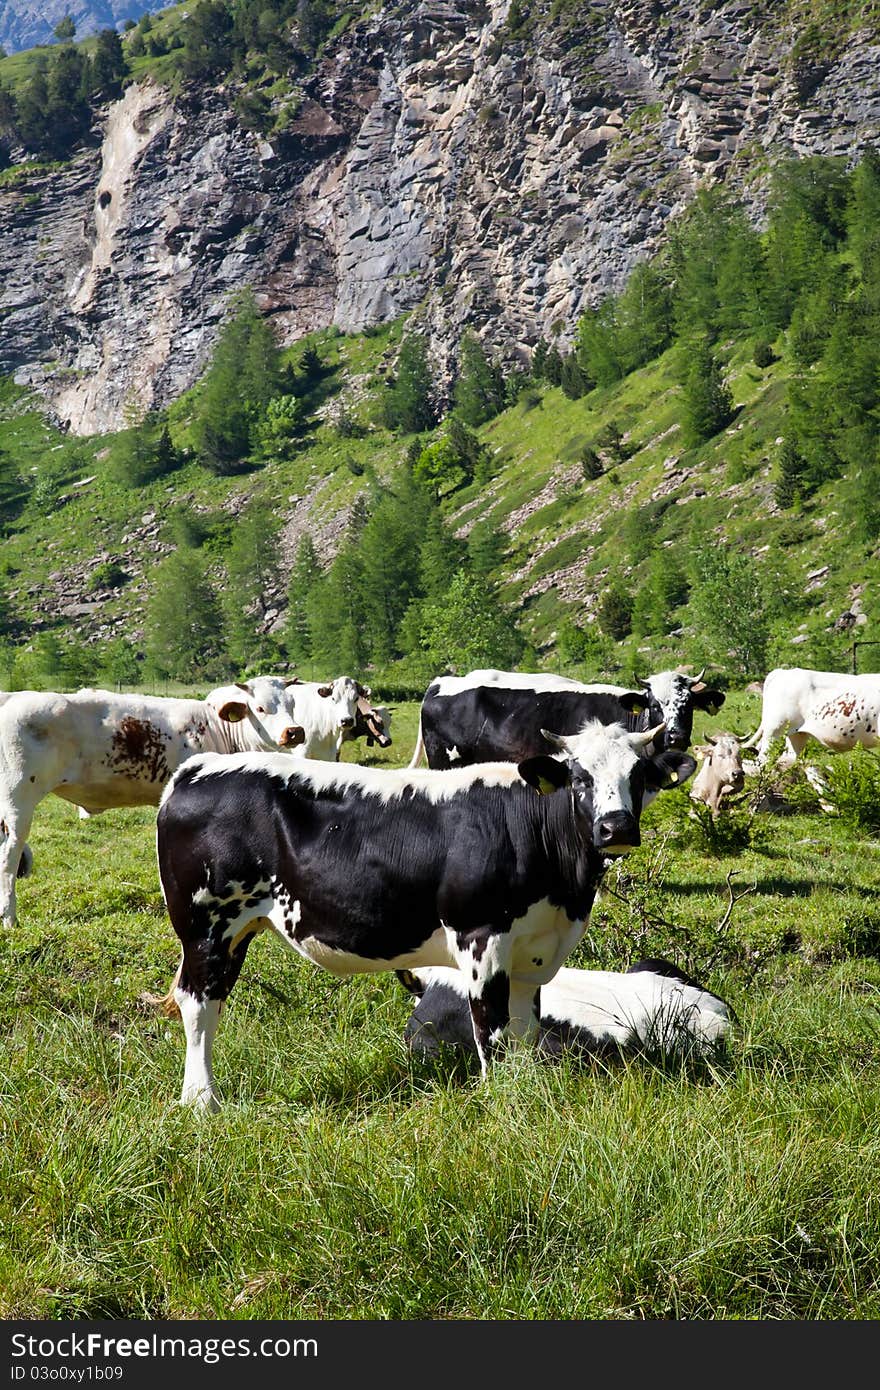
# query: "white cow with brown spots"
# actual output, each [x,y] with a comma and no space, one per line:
[102,750]
[837,710]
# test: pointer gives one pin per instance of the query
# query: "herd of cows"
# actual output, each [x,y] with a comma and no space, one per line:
[473,878]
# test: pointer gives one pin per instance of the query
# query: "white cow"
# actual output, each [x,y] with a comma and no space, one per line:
[102,750]
[326,711]
[837,710]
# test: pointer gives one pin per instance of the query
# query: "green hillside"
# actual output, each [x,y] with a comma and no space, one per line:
[695,481]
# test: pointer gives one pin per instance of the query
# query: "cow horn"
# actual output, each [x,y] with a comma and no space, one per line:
[555,740]
[649,735]
[242,685]
[695,680]
[292,680]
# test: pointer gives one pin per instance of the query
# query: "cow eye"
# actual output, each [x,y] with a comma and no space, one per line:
[260,709]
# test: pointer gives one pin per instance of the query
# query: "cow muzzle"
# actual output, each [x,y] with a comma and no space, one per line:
[616,833]
[346,723]
[292,736]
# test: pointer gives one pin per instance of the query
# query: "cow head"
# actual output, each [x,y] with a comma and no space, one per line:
[612,777]
[721,772]
[375,723]
[258,712]
[672,698]
[343,693]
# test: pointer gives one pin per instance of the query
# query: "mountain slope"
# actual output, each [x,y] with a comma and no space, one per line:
[488,165]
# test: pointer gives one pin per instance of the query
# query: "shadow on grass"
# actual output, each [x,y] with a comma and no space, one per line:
[771,887]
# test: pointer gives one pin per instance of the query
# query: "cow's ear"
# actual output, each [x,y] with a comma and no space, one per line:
[670,768]
[325,690]
[232,711]
[410,981]
[702,750]
[633,701]
[545,774]
[709,700]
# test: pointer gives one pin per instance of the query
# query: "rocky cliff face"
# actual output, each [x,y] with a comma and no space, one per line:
[438,162]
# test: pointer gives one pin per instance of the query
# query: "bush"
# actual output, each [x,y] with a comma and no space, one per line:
[763,355]
[851,785]
[107,576]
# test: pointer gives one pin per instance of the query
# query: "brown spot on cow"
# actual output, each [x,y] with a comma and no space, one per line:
[138,749]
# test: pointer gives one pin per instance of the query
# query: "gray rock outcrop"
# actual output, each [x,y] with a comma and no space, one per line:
[437,162]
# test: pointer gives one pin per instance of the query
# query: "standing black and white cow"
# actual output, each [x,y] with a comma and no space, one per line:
[490,715]
[652,1007]
[363,869]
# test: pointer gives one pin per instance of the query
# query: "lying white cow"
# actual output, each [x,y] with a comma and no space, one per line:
[326,711]
[653,1007]
[837,710]
[720,772]
[103,750]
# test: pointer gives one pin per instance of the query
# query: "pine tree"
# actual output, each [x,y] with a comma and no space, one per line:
[863,225]
[108,66]
[243,377]
[615,610]
[789,480]
[252,566]
[574,380]
[409,405]
[707,404]
[486,548]
[479,390]
[440,557]
[183,624]
[304,575]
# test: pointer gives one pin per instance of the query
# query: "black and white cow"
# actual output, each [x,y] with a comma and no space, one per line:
[490,715]
[653,1007]
[364,869]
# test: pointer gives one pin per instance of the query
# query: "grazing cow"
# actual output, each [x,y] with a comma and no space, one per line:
[653,1007]
[837,710]
[490,715]
[366,869]
[371,722]
[327,712]
[102,750]
[720,772]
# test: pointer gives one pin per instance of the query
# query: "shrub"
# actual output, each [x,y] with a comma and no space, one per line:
[763,355]
[851,785]
[107,576]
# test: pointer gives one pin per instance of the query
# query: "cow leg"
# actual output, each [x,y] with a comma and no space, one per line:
[484,956]
[208,972]
[200,1019]
[795,743]
[525,1009]
[15,857]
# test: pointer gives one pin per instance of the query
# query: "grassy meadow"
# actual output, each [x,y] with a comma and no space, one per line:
[342,1180]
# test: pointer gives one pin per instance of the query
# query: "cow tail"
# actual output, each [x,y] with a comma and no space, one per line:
[420,747]
[166,1003]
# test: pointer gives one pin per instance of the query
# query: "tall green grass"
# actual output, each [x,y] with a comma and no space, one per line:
[342,1179]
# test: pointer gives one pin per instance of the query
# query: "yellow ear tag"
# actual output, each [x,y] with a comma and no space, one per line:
[639,709]
[673,776]
[545,786]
